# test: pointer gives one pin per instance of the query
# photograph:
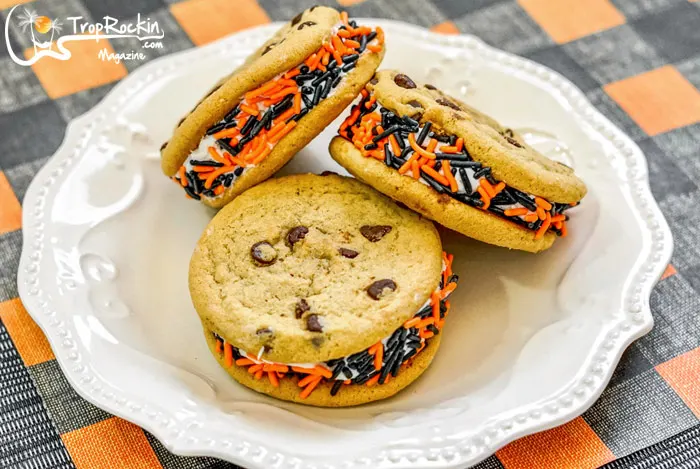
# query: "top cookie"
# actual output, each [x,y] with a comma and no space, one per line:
[504,151]
[310,268]
[288,47]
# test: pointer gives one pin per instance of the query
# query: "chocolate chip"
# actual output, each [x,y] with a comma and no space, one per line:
[448,103]
[263,253]
[508,132]
[403,81]
[349,253]
[296,234]
[377,289]
[313,323]
[271,46]
[414,103]
[328,173]
[264,331]
[317,341]
[374,232]
[430,87]
[297,18]
[513,141]
[374,81]
[301,307]
[162,147]
[305,24]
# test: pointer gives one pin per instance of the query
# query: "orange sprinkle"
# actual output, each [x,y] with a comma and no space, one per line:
[259,374]
[435,175]
[215,154]
[337,57]
[540,213]
[261,156]
[515,212]
[543,203]
[373,349]
[325,59]
[273,379]
[419,150]
[425,334]
[563,230]
[326,373]
[292,73]
[559,217]
[283,93]
[450,177]
[374,48]
[284,116]
[379,357]
[183,178]
[244,362]
[530,217]
[203,169]
[215,174]
[411,322]
[372,381]
[557,224]
[299,369]
[226,133]
[415,170]
[485,197]
[255,368]
[447,290]
[310,60]
[307,379]
[344,17]
[431,146]
[228,354]
[459,144]
[380,34]
[544,227]
[219,190]
[234,160]
[428,321]
[499,187]
[351,43]
[260,90]
[435,303]
[448,149]
[219,346]
[343,33]
[279,135]
[487,187]
[308,389]
[253,111]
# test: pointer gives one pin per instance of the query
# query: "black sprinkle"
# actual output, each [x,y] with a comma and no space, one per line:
[326,89]
[433,329]
[303,77]
[337,370]
[191,193]
[423,133]
[433,183]
[351,58]
[303,112]
[228,180]
[331,65]
[317,96]
[308,102]
[465,164]
[238,171]
[223,144]
[465,180]
[482,172]
[232,113]
[439,137]
[250,123]
[405,152]
[371,146]
[524,200]
[336,387]
[216,128]
[452,157]
[348,67]
[214,164]
[322,77]
[371,36]
[386,133]
[387,154]
[363,44]
[304,69]
[336,81]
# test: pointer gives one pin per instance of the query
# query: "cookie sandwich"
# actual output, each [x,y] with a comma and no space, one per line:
[320,290]
[455,165]
[284,94]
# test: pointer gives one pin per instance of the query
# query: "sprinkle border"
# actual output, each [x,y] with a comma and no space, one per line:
[633,321]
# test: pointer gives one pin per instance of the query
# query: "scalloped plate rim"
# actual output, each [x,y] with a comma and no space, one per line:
[643,324]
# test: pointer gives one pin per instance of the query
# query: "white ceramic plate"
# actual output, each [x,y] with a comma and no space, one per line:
[530,344]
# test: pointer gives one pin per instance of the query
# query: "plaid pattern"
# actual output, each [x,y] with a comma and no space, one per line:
[638,61]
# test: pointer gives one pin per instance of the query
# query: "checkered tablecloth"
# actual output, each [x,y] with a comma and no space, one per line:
[638,61]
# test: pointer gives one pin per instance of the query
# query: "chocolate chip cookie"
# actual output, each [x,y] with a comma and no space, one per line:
[320,290]
[455,165]
[257,118]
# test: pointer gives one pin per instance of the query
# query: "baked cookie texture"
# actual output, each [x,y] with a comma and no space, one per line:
[313,38]
[350,395]
[470,141]
[306,284]
[250,293]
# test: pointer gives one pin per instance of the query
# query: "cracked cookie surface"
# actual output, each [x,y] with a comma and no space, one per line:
[309,268]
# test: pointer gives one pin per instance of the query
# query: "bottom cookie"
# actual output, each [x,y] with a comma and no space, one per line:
[460,217]
[349,395]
